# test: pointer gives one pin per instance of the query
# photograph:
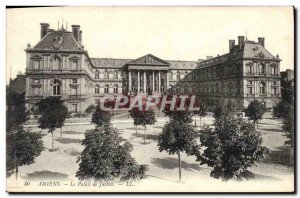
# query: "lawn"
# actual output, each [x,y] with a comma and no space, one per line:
[273,174]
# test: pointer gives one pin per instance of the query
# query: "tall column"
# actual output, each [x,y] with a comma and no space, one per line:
[159,82]
[129,81]
[139,81]
[167,88]
[145,82]
[153,82]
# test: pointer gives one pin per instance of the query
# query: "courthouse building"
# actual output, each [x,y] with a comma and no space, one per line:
[59,66]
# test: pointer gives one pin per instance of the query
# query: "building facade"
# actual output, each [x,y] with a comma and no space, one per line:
[59,66]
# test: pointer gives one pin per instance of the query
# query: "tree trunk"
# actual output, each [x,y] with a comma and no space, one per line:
[200,121]
[195,121]
[17,171]
[52,141]
[179,165]
[145,135]
[135,129]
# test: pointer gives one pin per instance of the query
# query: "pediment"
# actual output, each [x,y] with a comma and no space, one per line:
[149,59]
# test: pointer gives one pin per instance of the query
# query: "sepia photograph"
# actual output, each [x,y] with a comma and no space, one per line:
[158,99]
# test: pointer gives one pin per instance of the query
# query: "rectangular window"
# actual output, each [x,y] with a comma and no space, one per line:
[74,108]
[35,91]
[250,90]
[36,65]
[74,91]
[74,65]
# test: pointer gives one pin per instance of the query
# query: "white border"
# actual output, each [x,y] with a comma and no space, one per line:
[5,3]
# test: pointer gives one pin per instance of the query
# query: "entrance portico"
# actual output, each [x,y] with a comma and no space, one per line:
[148,75]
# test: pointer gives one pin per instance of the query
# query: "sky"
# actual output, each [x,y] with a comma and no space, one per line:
[170,33]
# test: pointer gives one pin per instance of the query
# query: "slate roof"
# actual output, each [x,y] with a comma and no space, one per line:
[253,50]
[250,49]
[118,63]
[109,62]
[68,41]
[176,64]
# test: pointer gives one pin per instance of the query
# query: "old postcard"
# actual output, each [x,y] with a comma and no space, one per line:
[150,99]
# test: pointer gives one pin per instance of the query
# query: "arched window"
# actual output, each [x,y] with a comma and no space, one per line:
[115,89]
[177,89]
[106,89]
[125,89]
[97,89]
[262,88]
[97,75]
[56,87]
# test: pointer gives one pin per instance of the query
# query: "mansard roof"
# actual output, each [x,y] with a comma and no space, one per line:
[58,40]
[177,64]
[255,50]
[250,49]
[118,63]
[109,62]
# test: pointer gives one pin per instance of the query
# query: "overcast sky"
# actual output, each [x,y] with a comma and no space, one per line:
[171,33]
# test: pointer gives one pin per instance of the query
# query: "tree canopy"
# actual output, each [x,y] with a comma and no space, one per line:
[52,113]
[106,156]
[22,147]
[231,148]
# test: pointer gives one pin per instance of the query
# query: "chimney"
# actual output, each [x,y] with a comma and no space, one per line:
[231,44]
[80,37]
[44,29]
[261,41]
[241,40]
[76,32]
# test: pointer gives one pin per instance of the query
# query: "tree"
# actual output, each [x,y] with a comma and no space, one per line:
[288,126]
[101,117]
[221,110]
[22,147]
[143,118]
[202,110]
[176,114]
[135,113]
[255,111]
[231,147]
[106,156]
[281,109]
[16,113]
[90,109]
[53,114]
[177,137]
